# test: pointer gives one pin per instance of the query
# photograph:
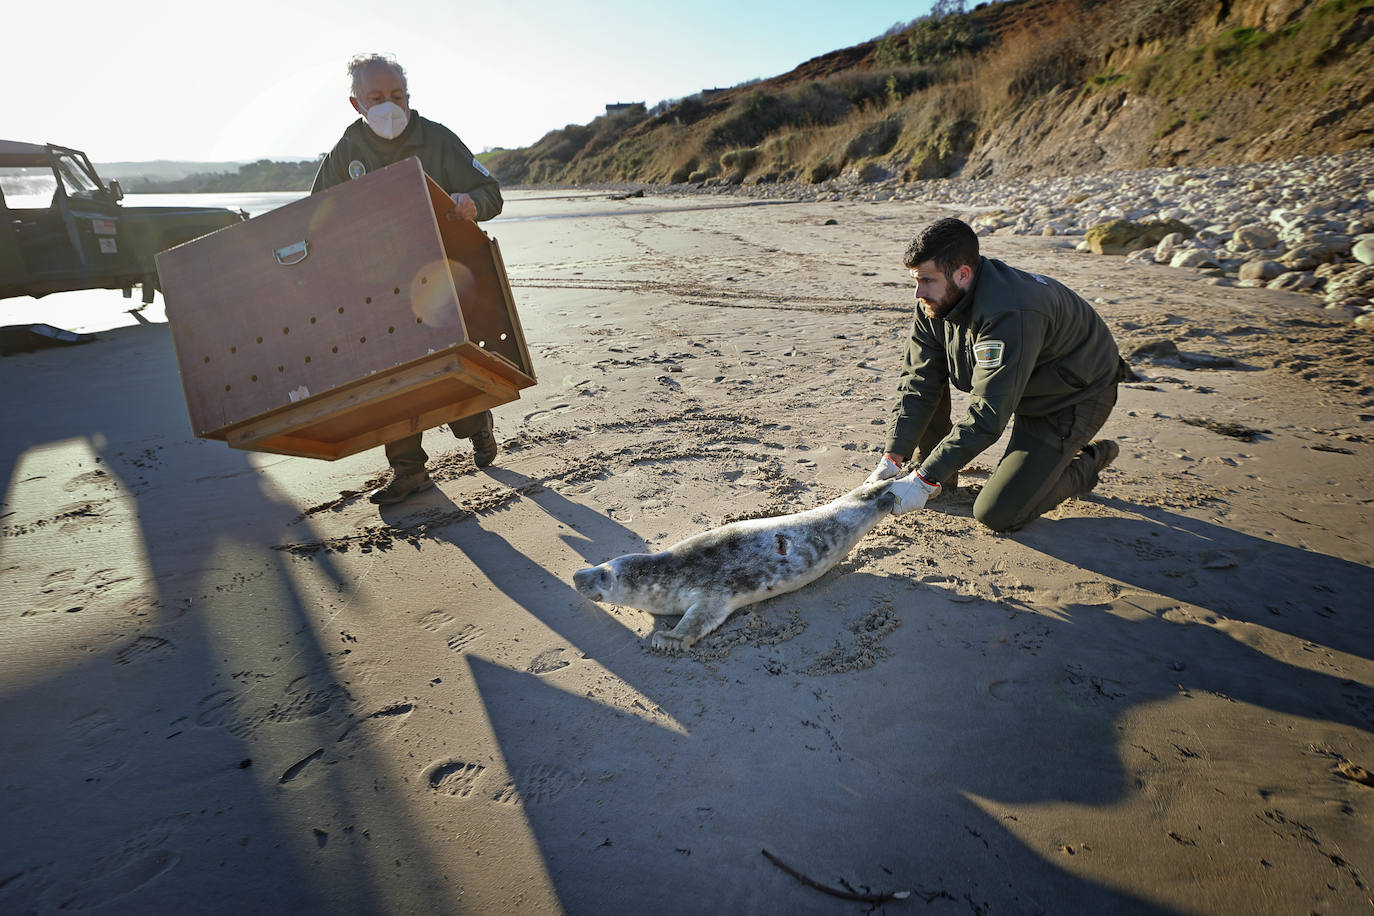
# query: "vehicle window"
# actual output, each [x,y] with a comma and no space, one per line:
[27,187]
[75,178]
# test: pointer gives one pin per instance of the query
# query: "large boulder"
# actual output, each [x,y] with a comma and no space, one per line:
[1357,282]
[1164,251]
[1253,236]
[1260,270]
[1192,257]
[1364,250]
[1293,281]
[1122,236]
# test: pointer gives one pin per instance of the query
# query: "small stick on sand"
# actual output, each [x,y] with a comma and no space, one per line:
[835,891]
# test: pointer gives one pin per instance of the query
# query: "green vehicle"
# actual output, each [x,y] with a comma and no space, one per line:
[62,228]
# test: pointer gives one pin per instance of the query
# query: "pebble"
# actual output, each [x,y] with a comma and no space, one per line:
[1308,222]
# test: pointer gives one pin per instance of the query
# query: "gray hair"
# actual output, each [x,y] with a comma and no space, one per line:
[360,62]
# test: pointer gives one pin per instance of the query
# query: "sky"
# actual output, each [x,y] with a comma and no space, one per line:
[245,80]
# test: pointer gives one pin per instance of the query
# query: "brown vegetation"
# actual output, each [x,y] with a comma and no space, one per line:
[1010,88]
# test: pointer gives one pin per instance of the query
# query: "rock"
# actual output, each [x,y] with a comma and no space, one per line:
[1143,256]
[1363,250]
[1293,281]
[1260,270]
[1120,236]
[1248,238]
[1164,251]
[1305,256]
[1328,246]
[1192,257]
[1357,282]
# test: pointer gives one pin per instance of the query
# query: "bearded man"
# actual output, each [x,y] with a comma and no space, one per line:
[1023,346]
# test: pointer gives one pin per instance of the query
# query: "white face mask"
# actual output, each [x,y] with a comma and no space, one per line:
[387,119]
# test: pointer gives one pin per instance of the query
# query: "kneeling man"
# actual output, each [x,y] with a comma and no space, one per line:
[1022,345]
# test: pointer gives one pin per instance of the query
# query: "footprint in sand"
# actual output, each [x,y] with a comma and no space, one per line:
[554,408]
[143,648]
[530,785]
[307,696]
[376,726]
[141,859]
[465,637]
[454,777]
[536,784]
[435,621]
[117,881]
[548,661]
[101,745]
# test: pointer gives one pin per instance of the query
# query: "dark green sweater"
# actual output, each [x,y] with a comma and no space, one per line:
[1018,342]
[442,155]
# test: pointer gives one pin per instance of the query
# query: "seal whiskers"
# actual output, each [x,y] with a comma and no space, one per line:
[708,576]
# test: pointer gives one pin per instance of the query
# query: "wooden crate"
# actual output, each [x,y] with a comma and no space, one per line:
[343,321]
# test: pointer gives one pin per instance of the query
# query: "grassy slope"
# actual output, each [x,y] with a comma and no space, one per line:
[1209,81]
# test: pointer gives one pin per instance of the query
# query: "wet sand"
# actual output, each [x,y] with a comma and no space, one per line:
[232,683]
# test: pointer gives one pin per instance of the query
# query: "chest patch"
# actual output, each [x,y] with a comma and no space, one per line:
[356,170]
[987,354]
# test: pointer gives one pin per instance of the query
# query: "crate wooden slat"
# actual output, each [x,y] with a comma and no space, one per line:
[343,321]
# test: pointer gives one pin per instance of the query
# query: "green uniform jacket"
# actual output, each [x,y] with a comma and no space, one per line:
[442,155]
[1018,342]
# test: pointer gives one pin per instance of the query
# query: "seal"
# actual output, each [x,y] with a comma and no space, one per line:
[708,576]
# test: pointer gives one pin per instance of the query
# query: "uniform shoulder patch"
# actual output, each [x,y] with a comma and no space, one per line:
[356,170]
[987,354]
[480,167]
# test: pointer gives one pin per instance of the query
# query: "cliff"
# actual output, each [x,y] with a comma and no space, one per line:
[1017,88]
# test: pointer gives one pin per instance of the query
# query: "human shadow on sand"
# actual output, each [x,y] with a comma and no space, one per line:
[884,777]
[224,805]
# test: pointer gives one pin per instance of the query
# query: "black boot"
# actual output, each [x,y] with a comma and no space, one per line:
[484,446]
[401,488]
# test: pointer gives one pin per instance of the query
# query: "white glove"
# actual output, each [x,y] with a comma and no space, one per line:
[885,470]
[912,492]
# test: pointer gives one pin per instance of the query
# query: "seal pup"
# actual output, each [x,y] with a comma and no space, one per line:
[707,576]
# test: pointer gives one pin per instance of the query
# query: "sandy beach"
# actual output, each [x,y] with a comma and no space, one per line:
[232,684]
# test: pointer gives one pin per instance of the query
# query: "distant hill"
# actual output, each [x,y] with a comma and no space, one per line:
[1008,89]
[165,176]
[161,169]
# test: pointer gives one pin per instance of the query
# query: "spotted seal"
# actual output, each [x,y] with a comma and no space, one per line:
[707,576]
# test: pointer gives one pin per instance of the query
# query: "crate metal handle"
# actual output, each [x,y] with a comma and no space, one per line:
[292,254]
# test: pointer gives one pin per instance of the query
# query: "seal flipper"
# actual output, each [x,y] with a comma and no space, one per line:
[701,618]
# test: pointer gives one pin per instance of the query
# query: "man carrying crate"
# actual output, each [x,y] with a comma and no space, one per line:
[388,132]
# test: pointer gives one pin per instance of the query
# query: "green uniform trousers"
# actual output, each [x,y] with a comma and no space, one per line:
[1044,463]
[407,456]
